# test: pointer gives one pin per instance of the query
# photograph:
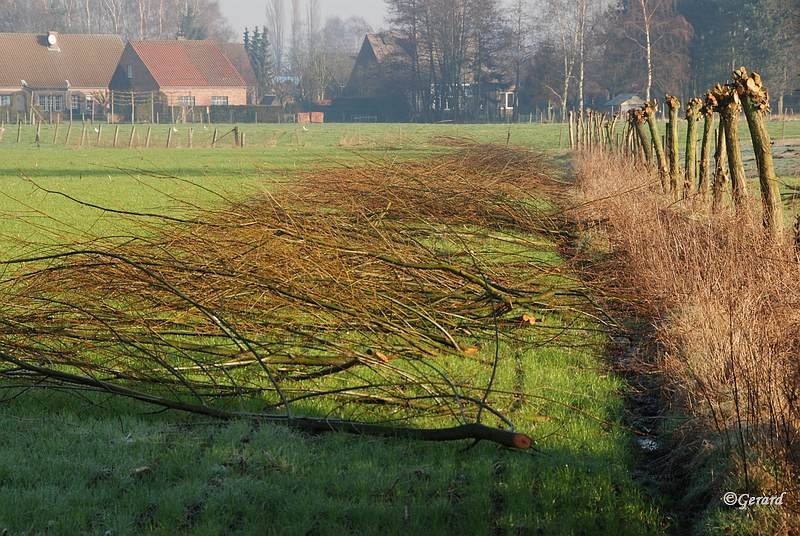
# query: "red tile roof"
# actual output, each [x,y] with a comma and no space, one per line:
[182,63]
[237,55]
[87,61]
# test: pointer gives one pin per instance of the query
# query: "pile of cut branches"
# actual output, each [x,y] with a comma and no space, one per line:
[346,292]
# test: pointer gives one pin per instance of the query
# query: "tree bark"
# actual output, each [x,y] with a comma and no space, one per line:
[637,118]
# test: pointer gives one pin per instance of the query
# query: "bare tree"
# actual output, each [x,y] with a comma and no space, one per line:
[276,23]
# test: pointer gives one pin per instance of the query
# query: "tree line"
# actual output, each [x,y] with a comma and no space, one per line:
[556,54]
[134,19]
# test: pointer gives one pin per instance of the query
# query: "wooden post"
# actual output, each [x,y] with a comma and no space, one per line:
[214,139]
[729,107]
[707,112]
[99,135]
[720,170]
[169,137]
[190,136]
[147,137]
[243,140]
[38,130]
[55,134]
[69,132]
[19,130]
[83,136]
[116,136]
[690,166]
[755,101]
[152,108]
[133,108]
[133,133]
[111,117]
[236,136]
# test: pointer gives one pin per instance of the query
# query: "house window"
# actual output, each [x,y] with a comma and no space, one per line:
[75,102]
[219,101]
[130,72]
[186,100]
[51,103]
[5,100]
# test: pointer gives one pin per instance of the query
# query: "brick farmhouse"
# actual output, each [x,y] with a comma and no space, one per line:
[185,73]
[56,74]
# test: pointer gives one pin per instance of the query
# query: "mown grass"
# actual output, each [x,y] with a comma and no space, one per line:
[73,462]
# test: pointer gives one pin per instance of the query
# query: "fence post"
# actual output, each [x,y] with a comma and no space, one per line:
[116,136]
[190,135]
[147,137]
[214,139]
[69,132]
[55,134]
[133,133]
[83,135]
[99,134]
[169,136]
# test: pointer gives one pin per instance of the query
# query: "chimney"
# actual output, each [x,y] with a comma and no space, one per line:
[52,41]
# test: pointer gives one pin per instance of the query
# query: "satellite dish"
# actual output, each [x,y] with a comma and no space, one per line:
[52,40]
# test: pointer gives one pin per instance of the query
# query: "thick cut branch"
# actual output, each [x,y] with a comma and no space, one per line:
[692,117]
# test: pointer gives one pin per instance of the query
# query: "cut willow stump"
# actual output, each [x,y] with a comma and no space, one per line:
[638,119]
[650,108]
[755,101]
[690,168]
[720,171]
[729,107]
[673,104]
[707,111]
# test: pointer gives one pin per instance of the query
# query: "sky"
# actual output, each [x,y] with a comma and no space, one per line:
[243,13]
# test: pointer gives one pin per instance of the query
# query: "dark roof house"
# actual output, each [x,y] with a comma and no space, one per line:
[55,71]
[383,67]
[188,73]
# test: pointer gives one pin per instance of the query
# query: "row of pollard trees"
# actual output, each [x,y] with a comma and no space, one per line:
[641,141]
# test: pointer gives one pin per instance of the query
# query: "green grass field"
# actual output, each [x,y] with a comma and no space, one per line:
[75,463]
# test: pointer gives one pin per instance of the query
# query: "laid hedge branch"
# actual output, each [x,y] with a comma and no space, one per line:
[474,431]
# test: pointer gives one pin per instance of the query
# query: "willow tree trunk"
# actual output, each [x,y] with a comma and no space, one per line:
[673,104]
[720,170]
[638,119]
[690,167]
[755,101]
[649,110]
[705,152]
[729,107]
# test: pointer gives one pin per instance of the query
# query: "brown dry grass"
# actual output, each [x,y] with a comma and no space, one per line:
[725,306]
